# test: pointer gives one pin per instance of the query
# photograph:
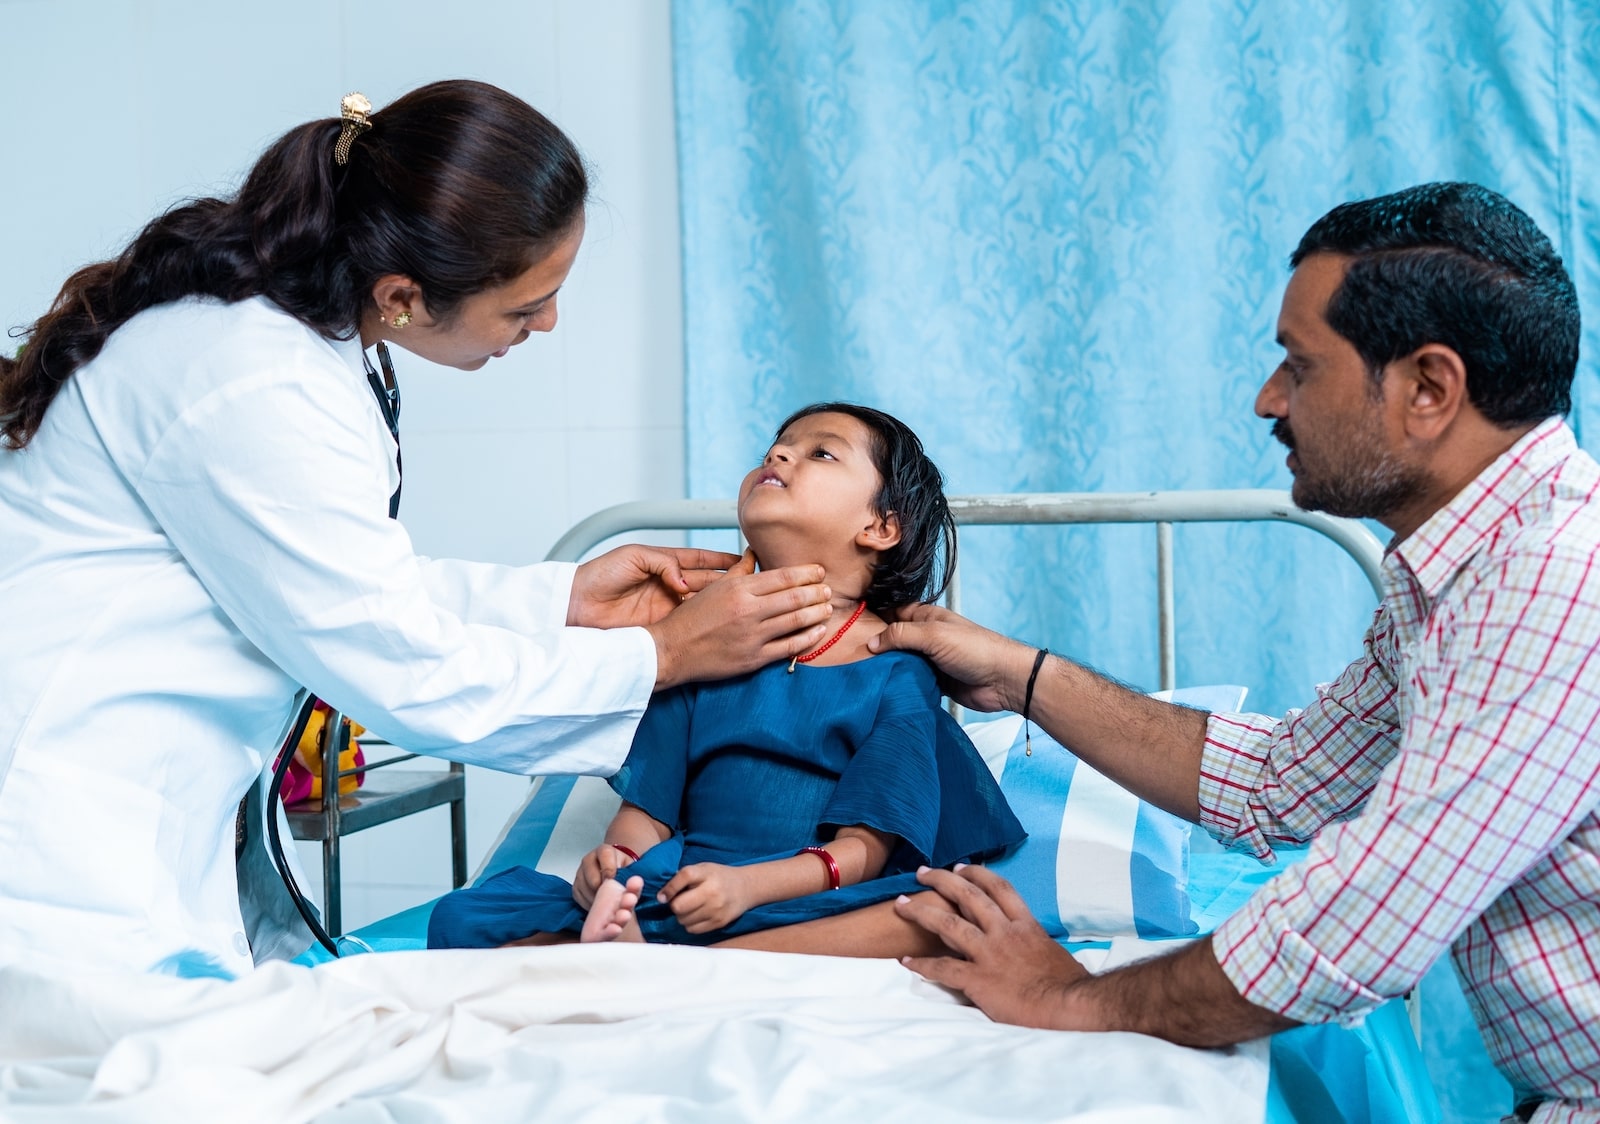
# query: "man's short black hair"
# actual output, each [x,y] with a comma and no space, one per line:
[1459,265]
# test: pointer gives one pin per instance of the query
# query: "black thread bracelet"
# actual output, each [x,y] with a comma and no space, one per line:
[1027,702]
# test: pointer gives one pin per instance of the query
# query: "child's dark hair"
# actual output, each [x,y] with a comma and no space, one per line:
[918,567]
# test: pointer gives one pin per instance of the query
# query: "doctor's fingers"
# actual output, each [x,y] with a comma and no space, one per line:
[773,611]
[715,566]
[802,584]
[725,630]
[663,563]
[692,558]
[725,566]
[696,580]
[686,579]
[772,593]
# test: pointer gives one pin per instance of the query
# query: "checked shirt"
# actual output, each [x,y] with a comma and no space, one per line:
[1450,779]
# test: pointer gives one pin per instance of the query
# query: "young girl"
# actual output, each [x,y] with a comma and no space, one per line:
[811,788]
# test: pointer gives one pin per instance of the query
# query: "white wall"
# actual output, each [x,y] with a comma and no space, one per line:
[113,109]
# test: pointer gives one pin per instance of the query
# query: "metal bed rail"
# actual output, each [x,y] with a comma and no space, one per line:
[1256,505]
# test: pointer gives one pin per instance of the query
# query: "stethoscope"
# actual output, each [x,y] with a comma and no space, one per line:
[387,392]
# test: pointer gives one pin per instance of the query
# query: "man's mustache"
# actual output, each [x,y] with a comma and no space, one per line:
[1281,430]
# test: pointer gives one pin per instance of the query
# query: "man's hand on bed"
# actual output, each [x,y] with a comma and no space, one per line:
[638,585]
[1011,969]
[980,669]
[1006,963]
[707,896]
[741,622]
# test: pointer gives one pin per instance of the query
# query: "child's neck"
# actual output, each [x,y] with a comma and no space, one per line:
[847,571]
[849,579]
[846,642]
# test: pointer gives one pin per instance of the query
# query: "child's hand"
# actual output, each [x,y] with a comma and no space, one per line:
[707,896]
[597,866]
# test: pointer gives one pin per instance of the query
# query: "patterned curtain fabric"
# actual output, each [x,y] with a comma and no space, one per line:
[1053,238]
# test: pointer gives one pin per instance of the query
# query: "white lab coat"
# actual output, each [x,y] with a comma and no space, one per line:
[199,526]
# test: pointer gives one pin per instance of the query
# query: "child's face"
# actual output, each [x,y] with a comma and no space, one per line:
[816,482]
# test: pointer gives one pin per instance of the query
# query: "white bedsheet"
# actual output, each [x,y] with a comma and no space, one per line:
[579,1033]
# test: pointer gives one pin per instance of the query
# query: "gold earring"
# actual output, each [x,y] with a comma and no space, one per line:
[401,319]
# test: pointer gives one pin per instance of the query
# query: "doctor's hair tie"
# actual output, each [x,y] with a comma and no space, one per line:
[354,111]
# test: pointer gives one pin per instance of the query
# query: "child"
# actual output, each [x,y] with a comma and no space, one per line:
[811,788]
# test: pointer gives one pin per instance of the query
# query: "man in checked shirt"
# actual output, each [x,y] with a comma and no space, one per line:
[1449,779]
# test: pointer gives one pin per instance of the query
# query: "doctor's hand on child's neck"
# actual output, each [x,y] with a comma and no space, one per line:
[816,499]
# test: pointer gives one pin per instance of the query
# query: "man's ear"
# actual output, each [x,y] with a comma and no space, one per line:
[880,534]
[394,293]
[1433,385]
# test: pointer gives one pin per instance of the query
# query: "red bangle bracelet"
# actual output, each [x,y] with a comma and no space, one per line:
[629,851]
[833,867]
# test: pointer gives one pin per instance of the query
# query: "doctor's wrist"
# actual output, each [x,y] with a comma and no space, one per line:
[666,657]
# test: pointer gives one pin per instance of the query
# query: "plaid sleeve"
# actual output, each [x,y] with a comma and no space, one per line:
[1262,779]
[1499,762]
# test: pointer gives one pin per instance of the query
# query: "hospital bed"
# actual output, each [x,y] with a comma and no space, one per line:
[1370,1072]
[661,1033]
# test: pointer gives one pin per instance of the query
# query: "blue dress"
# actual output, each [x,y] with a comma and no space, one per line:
[752,769]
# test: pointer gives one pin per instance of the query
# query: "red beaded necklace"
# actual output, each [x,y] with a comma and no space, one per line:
[861,607]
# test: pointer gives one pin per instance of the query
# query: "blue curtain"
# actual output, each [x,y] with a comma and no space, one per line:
[1053,236]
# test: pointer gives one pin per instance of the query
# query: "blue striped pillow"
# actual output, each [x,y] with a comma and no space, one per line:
[563,819]
[1098,862]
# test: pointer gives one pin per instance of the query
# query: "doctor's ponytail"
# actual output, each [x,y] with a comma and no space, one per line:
[458,185]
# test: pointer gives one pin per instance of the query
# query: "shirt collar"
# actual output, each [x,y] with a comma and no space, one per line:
[351,352]
[1438,549]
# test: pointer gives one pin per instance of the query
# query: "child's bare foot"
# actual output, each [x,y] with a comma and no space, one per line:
[611,916]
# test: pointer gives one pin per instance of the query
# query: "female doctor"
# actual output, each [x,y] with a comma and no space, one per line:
[195,489]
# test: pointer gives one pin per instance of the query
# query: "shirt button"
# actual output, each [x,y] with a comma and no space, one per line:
[240,945]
